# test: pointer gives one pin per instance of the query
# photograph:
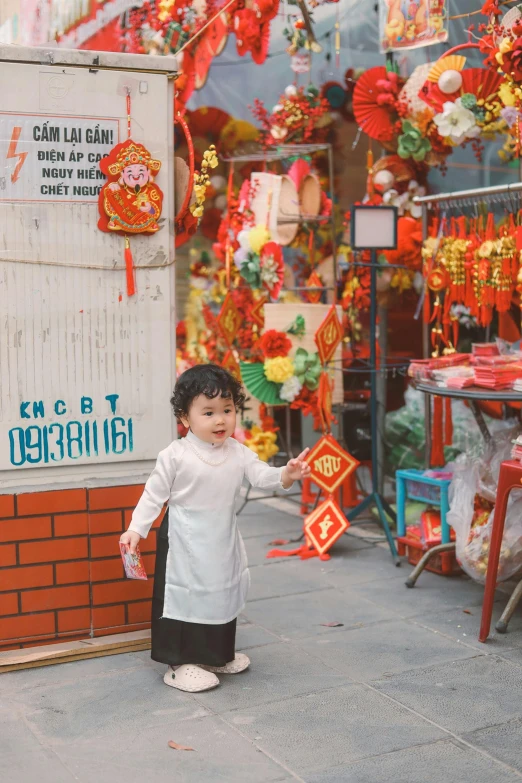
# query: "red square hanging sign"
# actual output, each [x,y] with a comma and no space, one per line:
[329,335]
[229,319]
[257,313]
[325,525]
[330,464]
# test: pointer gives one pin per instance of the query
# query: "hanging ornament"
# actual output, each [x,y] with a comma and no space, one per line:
[329,335]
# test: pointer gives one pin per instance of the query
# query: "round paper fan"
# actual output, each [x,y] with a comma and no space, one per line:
[455,62]
[374,120]
[480,82]
[254,378]
[410,92]
[510,19]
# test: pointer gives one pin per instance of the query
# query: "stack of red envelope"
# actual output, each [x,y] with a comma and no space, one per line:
[497,372]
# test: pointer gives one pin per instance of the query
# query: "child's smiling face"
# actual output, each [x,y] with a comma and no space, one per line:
[212,420]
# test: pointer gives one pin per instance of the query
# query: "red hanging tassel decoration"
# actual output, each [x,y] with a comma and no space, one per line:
[129,268]
[437,447]
[448,423]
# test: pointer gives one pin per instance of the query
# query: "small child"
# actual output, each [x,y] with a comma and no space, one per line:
[201,578]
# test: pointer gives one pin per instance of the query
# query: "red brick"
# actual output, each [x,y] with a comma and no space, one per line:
[114,497]
[53,551]
[21,578]
[55,502]
[105,546]
[6,647]
[27,626]
[55,598]
[9,603]
[108,617]
[74,620]
[148,544]
[7,555]
[25,529]
[7,507]
[71,524]
[105,570]
[72,573]
[139,612]
[149,562]
[106,522]
[127,590]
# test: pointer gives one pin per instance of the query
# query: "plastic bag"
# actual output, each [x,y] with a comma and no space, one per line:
[472,498]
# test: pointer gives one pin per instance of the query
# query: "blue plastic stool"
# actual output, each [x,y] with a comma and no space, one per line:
[413,485]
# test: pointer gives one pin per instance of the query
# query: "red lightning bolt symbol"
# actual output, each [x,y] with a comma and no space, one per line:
[12,153]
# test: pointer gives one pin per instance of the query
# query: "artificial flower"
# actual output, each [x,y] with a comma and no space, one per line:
[279,369]
[298,326]
[456,123]
[250,270]
[511,62]
[258,237]
[510,114]
[412,143]
[290,389]
[264,444]
[272,268]
[308,368]
[274,343]
[507,94]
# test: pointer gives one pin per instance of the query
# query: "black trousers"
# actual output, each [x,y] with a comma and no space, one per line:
[175,642]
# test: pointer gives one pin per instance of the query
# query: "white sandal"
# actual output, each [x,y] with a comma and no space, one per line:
[239,664]
[190,678]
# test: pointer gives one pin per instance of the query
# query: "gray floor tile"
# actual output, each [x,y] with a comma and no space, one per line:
[441,761]
[504,742]
[322,730]
[285,579]
[277,671]
[432,593]
[461,696]
[249,636]
[299,618]
[464,626]
[366,564]
[37,764]
[260,520]
[221,755]
[383,649]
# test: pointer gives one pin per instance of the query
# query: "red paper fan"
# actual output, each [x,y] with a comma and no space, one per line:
[208,121]
[477,81]
[480,82]
[376,121]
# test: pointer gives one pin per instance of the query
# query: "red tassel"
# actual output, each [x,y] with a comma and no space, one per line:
[437,447]
[129,269]
[448,423]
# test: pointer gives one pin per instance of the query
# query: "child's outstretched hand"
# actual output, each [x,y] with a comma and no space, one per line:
[296,469]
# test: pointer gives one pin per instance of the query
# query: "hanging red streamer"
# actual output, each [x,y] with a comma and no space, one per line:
[437,446]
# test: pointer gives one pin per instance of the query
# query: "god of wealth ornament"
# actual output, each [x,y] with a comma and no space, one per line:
[130,202]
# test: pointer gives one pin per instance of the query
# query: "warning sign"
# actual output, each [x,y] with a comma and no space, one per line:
[47,158]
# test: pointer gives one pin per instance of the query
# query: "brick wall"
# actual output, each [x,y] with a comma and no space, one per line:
[61,574]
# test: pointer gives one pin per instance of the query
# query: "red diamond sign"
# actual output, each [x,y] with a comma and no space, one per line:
[329,335]
[325,525]
[229,319]
[330,464]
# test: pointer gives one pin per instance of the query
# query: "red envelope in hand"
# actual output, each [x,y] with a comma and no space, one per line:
[133,564]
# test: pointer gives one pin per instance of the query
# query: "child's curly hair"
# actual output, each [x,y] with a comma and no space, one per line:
[207,379]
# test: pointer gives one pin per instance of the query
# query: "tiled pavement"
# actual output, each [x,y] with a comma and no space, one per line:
[402,692]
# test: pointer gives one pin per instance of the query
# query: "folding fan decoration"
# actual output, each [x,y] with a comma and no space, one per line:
[449,80]
[255,380]
[374,99]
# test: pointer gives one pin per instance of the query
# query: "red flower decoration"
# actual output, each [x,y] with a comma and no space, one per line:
[274,343]
[490,8]
[272,268]
[512,61]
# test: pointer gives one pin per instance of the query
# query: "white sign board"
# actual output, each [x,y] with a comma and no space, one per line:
[54,158]
[86,371]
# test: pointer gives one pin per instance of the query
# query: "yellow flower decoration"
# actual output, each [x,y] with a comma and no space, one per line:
[279,369]
[263,443]
[506,94]
[258,237]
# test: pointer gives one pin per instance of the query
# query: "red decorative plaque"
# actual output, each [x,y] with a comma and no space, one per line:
[328,336]
[229,319]
[325,525]
[330,464]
